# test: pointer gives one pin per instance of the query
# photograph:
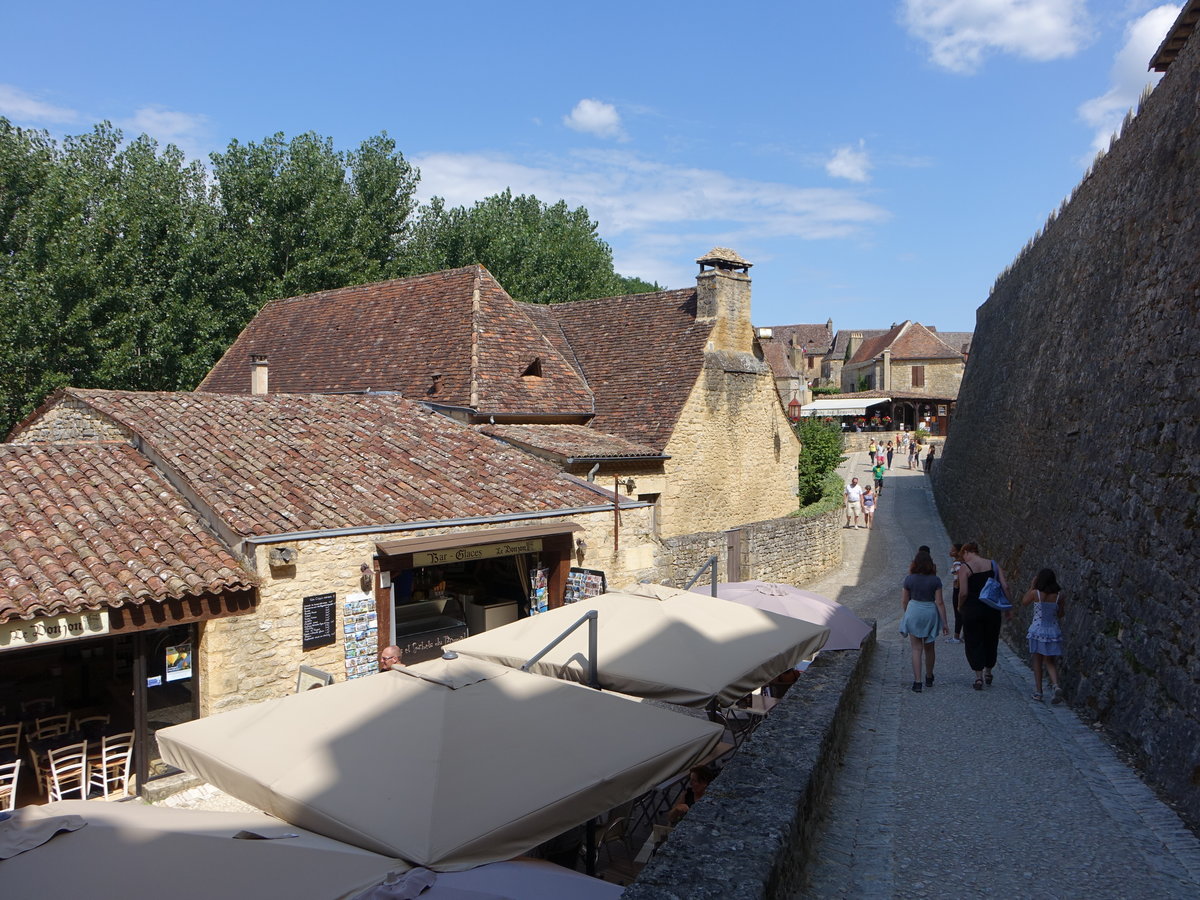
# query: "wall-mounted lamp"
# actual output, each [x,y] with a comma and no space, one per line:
[629,484]
[580,548]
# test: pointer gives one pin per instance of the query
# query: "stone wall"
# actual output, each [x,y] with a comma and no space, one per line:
[1078,422]
[789,550]
[733,451]
[71,421]
[755,841]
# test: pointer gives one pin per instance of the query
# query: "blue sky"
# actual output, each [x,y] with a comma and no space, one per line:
[875,160]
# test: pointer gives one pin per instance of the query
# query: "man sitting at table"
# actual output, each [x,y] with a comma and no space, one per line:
[698,781]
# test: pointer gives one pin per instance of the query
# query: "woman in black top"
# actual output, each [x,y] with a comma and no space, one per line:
[981,623]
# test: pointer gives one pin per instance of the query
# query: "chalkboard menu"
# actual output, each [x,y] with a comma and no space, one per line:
[318,618]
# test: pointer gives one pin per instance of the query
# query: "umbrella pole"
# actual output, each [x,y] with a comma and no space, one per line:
[590,617]
[589,864]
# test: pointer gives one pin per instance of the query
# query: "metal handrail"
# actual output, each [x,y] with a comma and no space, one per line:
[710,564]
[591,618]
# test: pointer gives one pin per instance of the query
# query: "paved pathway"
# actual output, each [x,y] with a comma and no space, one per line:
[963,794]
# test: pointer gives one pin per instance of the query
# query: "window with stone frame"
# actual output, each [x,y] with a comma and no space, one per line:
[918,376]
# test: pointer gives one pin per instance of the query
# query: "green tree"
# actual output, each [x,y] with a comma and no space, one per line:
[97,246]
[541,253]
[292,222]
[821,446]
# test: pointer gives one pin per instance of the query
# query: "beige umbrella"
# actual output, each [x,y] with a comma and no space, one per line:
[123,850]
[659,643]
[449,764]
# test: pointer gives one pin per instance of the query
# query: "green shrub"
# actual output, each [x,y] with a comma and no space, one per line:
[832,497]
[821,448]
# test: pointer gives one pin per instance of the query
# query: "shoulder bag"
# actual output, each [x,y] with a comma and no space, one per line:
[993,592]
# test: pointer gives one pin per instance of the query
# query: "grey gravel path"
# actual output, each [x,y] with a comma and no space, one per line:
[963,794]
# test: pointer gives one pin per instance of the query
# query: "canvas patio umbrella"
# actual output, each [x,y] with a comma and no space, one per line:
[123,850]
[449,764]
[660,643]
[846,630]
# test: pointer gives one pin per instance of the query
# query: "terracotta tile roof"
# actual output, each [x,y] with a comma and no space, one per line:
[452,337]
[908,340]
[812,338]
[569,441]
[92,526]
[282,463]
[641,355]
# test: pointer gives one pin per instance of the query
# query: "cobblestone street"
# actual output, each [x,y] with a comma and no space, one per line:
[958,793]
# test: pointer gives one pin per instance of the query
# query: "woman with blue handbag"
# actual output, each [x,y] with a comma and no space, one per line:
[981,619]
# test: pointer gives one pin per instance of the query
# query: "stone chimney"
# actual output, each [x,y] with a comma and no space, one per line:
[885,382]
[723,299]
[856,339]
[258,374]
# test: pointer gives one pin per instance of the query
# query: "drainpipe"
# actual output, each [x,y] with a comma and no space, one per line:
[616,513]
[591,476]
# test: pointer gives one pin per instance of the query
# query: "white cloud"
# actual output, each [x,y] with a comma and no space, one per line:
[23,107]
[850,162]
[961,32]
[596,117]
[655,214]
[187,131]
[1129,75]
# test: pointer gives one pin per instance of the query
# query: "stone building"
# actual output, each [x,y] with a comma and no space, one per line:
[325,503]
[665,394]
[796,355]
[917,368]
[1049,466]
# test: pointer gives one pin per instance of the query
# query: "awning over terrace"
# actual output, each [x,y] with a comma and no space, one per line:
[842,407]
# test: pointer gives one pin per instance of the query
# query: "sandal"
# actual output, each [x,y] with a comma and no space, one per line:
[1036,695]
[978,685]
[928,681]
[987,677]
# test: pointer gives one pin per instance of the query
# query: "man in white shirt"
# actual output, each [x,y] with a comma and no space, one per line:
[854,494]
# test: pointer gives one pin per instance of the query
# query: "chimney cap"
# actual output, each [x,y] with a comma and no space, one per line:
[723,258]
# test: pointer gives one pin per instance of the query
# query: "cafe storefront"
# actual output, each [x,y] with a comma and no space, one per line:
[437,589]
[127,669]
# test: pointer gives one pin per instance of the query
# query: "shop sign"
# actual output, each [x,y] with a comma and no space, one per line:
[19,633]
[472,554]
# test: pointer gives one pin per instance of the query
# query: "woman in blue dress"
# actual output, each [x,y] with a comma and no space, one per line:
[1045,634]
[924,616]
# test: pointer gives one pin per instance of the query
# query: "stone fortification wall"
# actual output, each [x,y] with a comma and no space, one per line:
[1075,442]
[733,451]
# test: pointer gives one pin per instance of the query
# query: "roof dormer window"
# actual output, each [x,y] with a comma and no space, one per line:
[534,369]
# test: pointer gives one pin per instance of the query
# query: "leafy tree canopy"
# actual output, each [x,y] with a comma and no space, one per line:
[123,265]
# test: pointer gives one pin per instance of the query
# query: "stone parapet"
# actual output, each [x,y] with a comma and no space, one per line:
[752,841]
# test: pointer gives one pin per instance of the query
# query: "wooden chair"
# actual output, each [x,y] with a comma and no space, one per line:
[8,784]
[68,770]
[51,726]
[78,724]
[112,770]
[38,706]
[10,738]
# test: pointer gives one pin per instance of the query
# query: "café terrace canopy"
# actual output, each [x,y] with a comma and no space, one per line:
[122,850]
[842,407]
[449,764]
[659,643]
